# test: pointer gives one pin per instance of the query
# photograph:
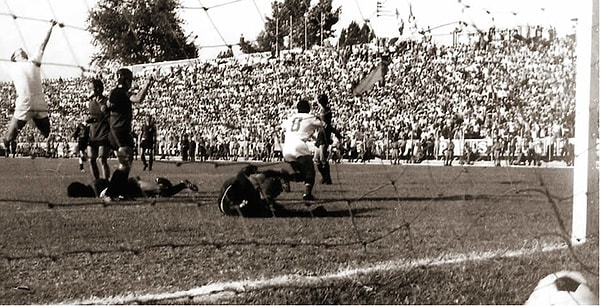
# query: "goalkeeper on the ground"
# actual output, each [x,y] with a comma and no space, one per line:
[251,193]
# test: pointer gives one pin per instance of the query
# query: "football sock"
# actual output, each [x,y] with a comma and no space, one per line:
[326,173]
[308,189]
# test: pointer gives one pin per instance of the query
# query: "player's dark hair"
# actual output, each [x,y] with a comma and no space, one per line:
[303,106]
[249,169]
[80,190]
[124,75]
[98,87]
[323,99]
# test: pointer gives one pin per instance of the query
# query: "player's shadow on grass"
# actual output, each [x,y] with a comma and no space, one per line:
[459,197]
[318,212]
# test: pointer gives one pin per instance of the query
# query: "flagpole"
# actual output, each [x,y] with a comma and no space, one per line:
[321,29]
[305,32]
[277,35]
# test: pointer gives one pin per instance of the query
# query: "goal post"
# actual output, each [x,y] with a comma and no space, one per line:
[585,172]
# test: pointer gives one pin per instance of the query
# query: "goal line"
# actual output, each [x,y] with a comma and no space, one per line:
[216,292]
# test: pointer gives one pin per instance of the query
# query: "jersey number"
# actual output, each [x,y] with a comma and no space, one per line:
[296,124]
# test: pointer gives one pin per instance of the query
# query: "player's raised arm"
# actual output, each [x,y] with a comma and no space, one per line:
[141,95]
[38,59]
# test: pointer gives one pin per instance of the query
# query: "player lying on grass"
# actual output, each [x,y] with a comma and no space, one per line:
[251,193]
[136,188]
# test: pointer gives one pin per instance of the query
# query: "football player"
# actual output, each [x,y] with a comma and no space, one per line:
[29,105]
[299,129]
[148,141]
[120,103]
[324,140]
[98,145]
[251,193]
[81,134]
[136,188]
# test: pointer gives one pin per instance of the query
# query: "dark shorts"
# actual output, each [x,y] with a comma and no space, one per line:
[304,166]
[321,138]
[99,143]
[120,138]
[146,144]
[82,145]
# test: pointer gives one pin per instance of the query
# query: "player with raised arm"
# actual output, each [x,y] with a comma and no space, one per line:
[29,105]
[98,145]
[299,129]
[120,104]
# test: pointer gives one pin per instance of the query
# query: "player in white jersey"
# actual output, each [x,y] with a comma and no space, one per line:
[299,129]
[29,105]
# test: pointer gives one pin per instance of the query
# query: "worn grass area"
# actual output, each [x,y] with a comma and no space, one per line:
[54,249]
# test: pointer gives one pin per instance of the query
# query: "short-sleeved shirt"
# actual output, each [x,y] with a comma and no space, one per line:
[99,127]
[121,116]
[299,128]
[148,135]
[81,134]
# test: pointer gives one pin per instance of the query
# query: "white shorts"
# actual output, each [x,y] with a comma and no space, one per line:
[294,148]
[30,107]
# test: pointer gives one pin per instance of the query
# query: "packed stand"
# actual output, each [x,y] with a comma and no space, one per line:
[508,90]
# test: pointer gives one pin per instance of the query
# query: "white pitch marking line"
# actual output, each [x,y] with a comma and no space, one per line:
[211,292]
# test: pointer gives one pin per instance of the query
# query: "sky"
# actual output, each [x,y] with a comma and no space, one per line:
[70,46]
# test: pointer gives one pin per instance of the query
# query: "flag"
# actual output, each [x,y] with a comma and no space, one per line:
[411,17]
[412,21]
[367,82]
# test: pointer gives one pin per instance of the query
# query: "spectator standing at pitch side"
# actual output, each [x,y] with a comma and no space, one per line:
[496,149]
[299,128]
[192,149]
[120,104]
[98,145]
[148,142]
[10,146]
[185,147]
[449,153]
[29,104]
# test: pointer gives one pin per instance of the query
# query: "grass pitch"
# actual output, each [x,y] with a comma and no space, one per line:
[54,249]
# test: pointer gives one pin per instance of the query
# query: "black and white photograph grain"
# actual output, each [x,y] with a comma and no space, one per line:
[299,152]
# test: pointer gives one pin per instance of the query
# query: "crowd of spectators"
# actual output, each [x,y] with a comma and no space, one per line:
[516,90]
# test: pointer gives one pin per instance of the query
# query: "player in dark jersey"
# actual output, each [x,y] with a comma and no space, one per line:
[99,129]
[148,142]
[251,193]
[81,135]
[120,104]
[136,188]
[324,140]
